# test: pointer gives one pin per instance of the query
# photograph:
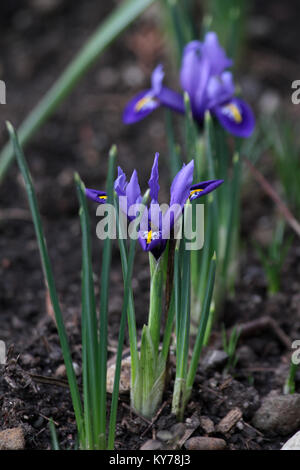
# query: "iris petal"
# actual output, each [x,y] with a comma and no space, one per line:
[156,227]
[236,117]
[97,196]
[133,191]
[203,188]
[157,79]
[171,99]
[120,183]
[220,89]
[190,71]
[153,181]
[140,106]
[215,53]
[180,188]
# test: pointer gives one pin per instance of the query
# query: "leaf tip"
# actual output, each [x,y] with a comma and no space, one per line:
[113,151]
[10,127]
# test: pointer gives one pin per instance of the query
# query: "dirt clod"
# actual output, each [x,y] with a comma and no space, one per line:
[12,439]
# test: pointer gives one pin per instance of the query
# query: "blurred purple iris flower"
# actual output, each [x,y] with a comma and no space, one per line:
[210,86]
[155,226]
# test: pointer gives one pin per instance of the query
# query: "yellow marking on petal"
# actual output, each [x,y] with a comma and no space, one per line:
[235,112]
[142,103]
[102,197]
[149,237]
[195,191]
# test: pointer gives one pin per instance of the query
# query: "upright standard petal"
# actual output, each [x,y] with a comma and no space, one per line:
[199,100]
[220,89]
[236,117]
[180,188]
[191,64]
[120,183]
[153,181]
[215,53]
[201,62]
[194,76]
[180,191]
[133,191]
[157,79]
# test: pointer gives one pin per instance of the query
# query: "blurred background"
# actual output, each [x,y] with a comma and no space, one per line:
[38,39]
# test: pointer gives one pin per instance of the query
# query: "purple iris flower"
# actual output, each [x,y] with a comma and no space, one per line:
[156,226]
[210,86]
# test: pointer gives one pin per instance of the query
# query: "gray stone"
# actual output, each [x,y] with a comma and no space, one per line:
[278,414]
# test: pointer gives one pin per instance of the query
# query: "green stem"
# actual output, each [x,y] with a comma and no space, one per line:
[156,290]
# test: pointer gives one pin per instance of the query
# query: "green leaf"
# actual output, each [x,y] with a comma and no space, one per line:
[89,328]
[104,294]
[157,269]
[127,296]
[201,329]
[49,280]
[53,435]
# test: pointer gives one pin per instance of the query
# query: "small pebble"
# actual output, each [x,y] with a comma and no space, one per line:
[205,443]
[164,435]
[60,371]
[151,445]
[77,369]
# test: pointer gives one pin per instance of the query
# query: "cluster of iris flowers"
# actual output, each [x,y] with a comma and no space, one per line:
[204,76]
[209,86]
[156,230]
